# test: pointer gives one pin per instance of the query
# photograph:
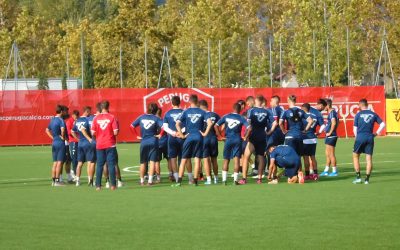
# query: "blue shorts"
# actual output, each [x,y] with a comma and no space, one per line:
[148,150]
[309,149]
[244,145]
[233,148]
[259,145]
[162,152]
[331,140]
[295,143]
[86,153]
[210,147]
[364,144]
[58,151]
[291,167]
[193,146]
[175,147]
[275,139]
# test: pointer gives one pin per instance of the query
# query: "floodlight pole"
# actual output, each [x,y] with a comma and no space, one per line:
[82,60]
[270,60]
[192,58]
[249,60]
[120,65]
[209,63]
[280,60]
[145,63]
[348,57]
[162,63]
[219,63]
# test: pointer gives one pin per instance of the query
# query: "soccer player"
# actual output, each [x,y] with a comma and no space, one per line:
[56,132]
[259,119]
[310,140]
[284,156]
[162,151]
[86,152]
[277,137]
[193,119]
[105,129]
[174,142]
[363,130]
[210,145]
[92,164]
[294,118]
[150,127]
[330,140]
[232,124]
[69,151]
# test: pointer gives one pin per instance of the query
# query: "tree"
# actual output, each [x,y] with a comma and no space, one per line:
[43,84]
[88,71]
[64,84]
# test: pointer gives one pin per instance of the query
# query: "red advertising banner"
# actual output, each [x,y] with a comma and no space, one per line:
[24,115]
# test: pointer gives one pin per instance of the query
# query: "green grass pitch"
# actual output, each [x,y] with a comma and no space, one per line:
[330,214]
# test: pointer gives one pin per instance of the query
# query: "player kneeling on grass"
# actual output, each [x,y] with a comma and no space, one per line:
[193,120]
[150,126]
[56,131]
[86,152]
[285,157]
[233,124]
[363,130]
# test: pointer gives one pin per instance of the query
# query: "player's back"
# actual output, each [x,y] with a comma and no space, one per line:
[233,125]
[55,125]
[193,120]
[311,132]
[294,118]
[150,125]
[214,117]
[259,119]
[284,153]
[104,125]
[333,115]
[171,117]
[81,124]
[365,121]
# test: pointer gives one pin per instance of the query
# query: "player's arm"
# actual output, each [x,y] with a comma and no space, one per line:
[333,126]
[48,132]
[382,125]
[310,122]
[168,130]
[271,169]
[209,126]
[178,126]
[74,134]
[86,135]
[282,125]
[115,127]
[62,136]
[273,127]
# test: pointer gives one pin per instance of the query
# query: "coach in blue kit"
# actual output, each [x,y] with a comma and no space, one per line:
[285,157]
[150,126]
[210,145]
[363,130]
[193,120]
[56,131]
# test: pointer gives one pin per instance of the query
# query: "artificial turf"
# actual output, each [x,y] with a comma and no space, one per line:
[330,214]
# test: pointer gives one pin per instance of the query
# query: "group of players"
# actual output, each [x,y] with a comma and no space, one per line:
[278,138]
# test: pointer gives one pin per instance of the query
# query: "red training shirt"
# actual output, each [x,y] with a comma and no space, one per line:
[103,127]
[69,123]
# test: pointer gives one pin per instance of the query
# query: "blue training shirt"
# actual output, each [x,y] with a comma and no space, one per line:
[295,128]
[233,125]
[259,120]
[55,125]
[193,120]
[332,115]
[364,121]
[82,123]
[171,117]
[214,117]
[150,125]
[283,155]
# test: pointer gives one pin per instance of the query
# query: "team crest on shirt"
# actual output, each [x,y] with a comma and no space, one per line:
[232,123]
[147,123]
[260,116]
[175,116]
[367,117]
[103,123]
[194,117]
[80,125]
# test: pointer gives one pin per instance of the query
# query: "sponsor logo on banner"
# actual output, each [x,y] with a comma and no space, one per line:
[163,97]
[396,113]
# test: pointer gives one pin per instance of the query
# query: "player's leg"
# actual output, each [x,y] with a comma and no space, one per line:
[207,169]
[246,158]
[332,157]
[78,173]
[261,165]
[314,166]
[356,163]
[214,163]
[368,158]
[197,162]
[151,172]
[101,160]
[306,161]
[111,163]
[327,160]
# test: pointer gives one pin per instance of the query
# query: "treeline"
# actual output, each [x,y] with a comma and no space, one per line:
[240,33]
